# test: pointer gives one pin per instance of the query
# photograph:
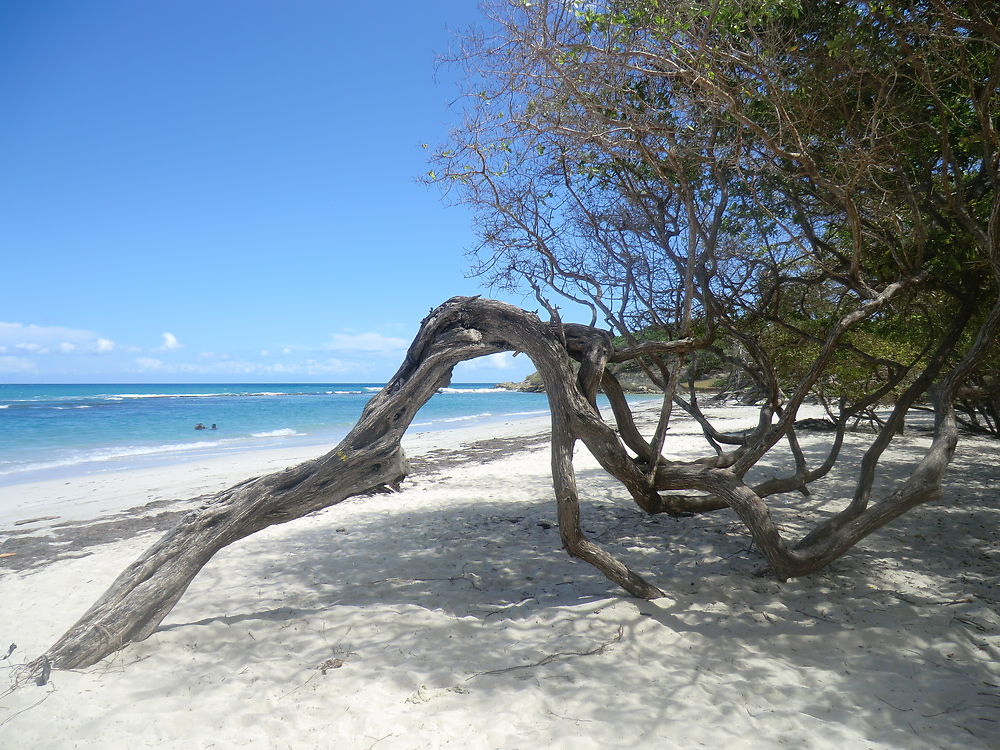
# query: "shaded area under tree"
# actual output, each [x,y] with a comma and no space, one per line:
[370,459]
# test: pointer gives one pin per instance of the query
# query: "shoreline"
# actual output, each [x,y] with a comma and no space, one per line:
[64,529]
[23,499]
[63,432]
[297,443]
[448,616]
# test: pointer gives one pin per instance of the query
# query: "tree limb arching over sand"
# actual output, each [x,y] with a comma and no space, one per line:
[370,459]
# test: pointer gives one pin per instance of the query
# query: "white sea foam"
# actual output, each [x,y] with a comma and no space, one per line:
[473,390]
[123,396]
[538,413]
[467,418]
[476,417]
[119,452]
[286,432]
[99,448]
[230,394]
[451,420]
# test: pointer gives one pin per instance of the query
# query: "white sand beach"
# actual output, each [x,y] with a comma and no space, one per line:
[447,616]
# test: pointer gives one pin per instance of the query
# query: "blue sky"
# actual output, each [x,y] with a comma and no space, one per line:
[225,190]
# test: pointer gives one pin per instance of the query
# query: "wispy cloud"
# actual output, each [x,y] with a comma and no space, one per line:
[366,342]
[228,367]
[498,361]
[169,342]
[31,346]
[17,364]
[50,339]
[148,363]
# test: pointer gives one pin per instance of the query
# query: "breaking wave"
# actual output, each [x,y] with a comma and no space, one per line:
[285,432]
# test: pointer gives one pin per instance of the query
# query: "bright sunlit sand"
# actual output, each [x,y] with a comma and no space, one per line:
[448,616]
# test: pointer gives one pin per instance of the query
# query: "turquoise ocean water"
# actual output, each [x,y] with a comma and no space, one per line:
[51,431]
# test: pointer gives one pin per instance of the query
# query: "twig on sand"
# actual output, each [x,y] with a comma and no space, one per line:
[917,602]
[818,617]
[950,710]
[891,705]
[378,741]
[504,608]
[21,678]
[471,578]
[553,657]
[36,704]
[567,718]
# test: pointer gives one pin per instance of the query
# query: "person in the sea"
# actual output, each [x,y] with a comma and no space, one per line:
[199,426]
[213,425]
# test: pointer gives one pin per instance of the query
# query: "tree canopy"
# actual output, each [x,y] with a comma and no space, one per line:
[750,173]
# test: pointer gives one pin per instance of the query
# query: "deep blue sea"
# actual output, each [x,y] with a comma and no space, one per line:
[61,430]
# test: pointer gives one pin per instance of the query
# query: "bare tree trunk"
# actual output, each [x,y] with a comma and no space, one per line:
[146,591]
[368,459]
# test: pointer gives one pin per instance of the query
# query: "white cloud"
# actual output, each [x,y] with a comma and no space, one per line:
[19,333]
[501,360]
[366,342]
[498,361]
[225,367]
[148,363]
[170,342]
[16,364]
[48,339]
[32,347]
[309,367]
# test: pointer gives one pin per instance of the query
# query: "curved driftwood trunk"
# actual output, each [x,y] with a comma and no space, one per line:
[370,459]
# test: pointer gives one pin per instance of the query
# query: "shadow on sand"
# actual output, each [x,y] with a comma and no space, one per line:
[899,639]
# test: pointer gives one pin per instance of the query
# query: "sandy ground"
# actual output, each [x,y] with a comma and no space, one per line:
[447,616]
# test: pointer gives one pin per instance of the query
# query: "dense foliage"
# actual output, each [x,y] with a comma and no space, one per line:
[756,170]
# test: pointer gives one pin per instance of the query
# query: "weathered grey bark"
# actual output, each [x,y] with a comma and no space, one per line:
[370,459]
